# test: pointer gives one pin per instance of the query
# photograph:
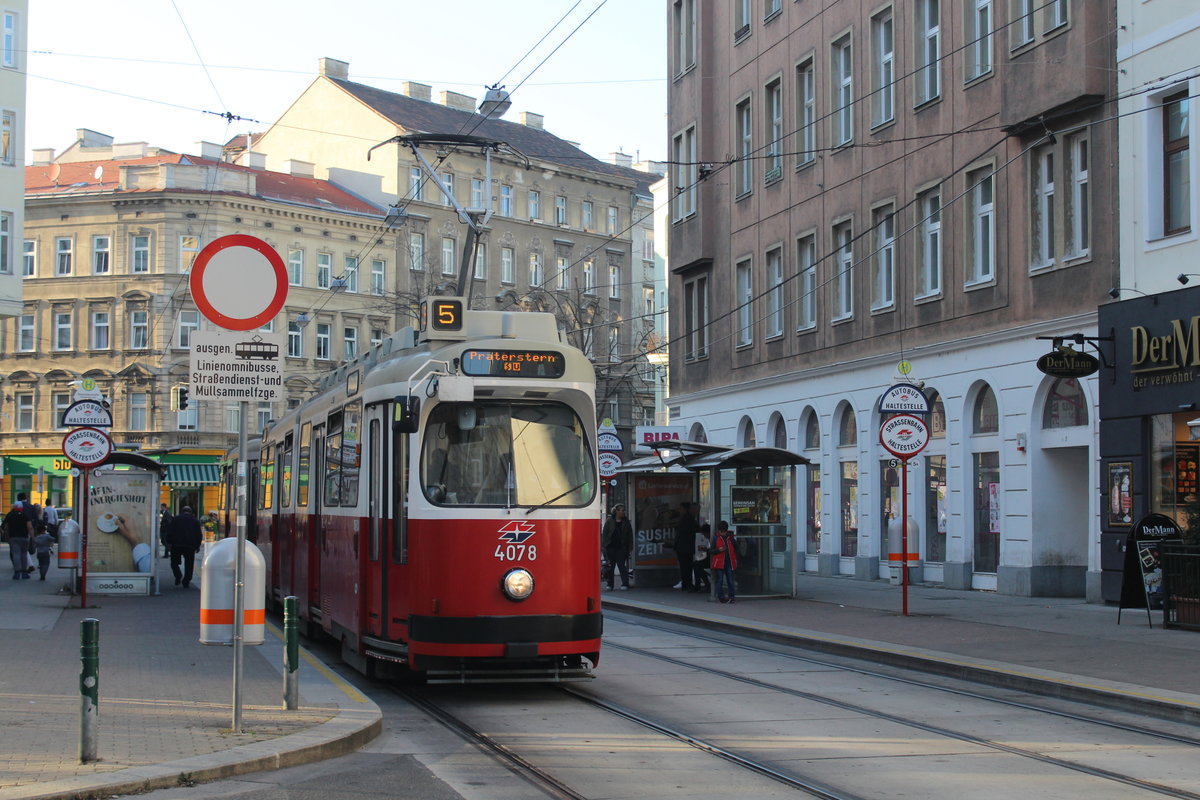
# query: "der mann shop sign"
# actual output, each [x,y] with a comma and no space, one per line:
[1165,358]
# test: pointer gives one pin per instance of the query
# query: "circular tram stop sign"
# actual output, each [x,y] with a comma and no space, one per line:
[904,435]
[87,447]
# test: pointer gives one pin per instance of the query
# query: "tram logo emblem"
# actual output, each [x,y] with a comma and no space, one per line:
[517,532]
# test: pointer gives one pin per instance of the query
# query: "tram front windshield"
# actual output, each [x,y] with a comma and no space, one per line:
[506,454]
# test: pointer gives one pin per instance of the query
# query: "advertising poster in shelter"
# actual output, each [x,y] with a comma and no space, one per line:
[755,505]
[121,516]
[657,499]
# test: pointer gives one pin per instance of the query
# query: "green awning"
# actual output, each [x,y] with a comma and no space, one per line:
[192,475]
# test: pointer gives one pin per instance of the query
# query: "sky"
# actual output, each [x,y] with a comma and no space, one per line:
[165,71]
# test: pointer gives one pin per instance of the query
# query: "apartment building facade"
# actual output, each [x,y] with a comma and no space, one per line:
[14,25]
[866,192]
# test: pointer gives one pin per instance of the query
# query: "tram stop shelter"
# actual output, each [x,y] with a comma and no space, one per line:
[751,488]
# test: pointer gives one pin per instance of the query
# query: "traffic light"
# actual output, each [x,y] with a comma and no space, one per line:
[183,398]
[174,398]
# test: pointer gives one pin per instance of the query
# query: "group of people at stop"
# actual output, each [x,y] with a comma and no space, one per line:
[697,550]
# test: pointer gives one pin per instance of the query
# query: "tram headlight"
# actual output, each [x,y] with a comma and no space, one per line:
[517,584]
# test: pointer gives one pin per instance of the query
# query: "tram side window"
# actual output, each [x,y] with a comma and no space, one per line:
[285,464]
[302,466]
[266,478]
[351,454]
[333,460]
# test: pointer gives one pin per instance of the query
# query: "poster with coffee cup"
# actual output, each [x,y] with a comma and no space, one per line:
[120,520]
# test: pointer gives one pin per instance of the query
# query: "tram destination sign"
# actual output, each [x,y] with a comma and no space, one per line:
[228,365]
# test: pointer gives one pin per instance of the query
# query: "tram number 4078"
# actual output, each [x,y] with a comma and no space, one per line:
[516,552]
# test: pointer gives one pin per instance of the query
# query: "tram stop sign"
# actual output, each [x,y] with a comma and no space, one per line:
[239,282]
[904,435]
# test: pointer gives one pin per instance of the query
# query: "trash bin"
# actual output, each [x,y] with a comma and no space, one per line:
[217,594]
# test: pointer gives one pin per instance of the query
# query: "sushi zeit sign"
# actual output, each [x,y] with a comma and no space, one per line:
[232,365]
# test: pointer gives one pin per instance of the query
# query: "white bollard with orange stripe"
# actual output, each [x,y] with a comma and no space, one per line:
[68,545]
[216,594]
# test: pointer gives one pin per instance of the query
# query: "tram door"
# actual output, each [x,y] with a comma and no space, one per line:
[378,468]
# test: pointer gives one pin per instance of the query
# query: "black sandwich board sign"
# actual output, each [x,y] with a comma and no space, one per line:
[1142,580]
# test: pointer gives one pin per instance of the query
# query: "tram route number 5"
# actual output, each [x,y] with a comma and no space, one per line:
[516,552]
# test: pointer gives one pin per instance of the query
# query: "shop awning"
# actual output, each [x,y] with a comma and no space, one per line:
[192,475]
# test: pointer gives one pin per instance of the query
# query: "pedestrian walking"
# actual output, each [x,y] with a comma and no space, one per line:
[724,562]
[700,562]
[50,515]
[184,540]
[43,544]
[616,541]
[18,530]
[165,518]
[685,545]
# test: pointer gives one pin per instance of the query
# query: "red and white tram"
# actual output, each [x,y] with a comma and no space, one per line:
[436,505]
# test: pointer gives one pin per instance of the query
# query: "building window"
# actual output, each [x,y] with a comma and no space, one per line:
[506,265]
[101,250]
[806,113]
[589,276]
[928,49]
[806,263]
[295,266]
[929,243]
[416,251]
[378,272]
[480,261]
[1066,405]
[324,270]
[560,211]
[448,265]
[262,418]
[744,298]
[61,401]
[883,262]
[28,258]
[7,225]
[684,27]
[138,406]
[745,147]
[979,38]
[535,270]
[349,343]
[189,418]
[64,251]
[100,330]
[563,265]
[377,336]
[1177,164]
[774,109]
[25,337]
[741,19]
[25,411]
[189,248]
[295,340]
[323,340]
[849,506]
[843,92]
[587,212]
[62,330]
[350,274]
[477,199]
[843,277]
[614,220]
[695,318]
[139,326]
[1078,203]
[774,319]
[8,138]
[506,201]
[1041,228]
[883,67]
[139,262]
[686,178]
[535,205]
[1056,14]
[981,237]
[447,180]
[9,52]
[189,323]
[614,281]
[416,183]
[1022,29]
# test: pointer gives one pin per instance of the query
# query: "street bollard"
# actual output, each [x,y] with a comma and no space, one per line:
[291,654]
[89,688]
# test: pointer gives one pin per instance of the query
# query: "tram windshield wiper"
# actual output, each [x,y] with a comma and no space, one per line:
[576,487]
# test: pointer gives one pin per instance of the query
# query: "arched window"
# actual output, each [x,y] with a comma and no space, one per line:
[847,428]
[985,418]
[778,430]
[1066,405]
[937,416]
[746,433]
[696,433]
[812,432]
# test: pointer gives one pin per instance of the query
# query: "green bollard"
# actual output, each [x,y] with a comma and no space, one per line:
[89,688]
[291,654]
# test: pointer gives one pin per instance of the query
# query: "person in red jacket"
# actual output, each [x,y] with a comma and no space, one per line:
[724,562]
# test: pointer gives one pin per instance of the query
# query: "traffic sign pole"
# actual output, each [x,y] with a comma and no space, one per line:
[904,436]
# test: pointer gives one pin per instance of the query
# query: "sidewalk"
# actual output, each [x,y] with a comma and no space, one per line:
[166,701]
[1061,646]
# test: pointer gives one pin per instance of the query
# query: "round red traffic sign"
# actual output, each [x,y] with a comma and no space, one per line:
[239,282]
[87,447]
[904,435]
